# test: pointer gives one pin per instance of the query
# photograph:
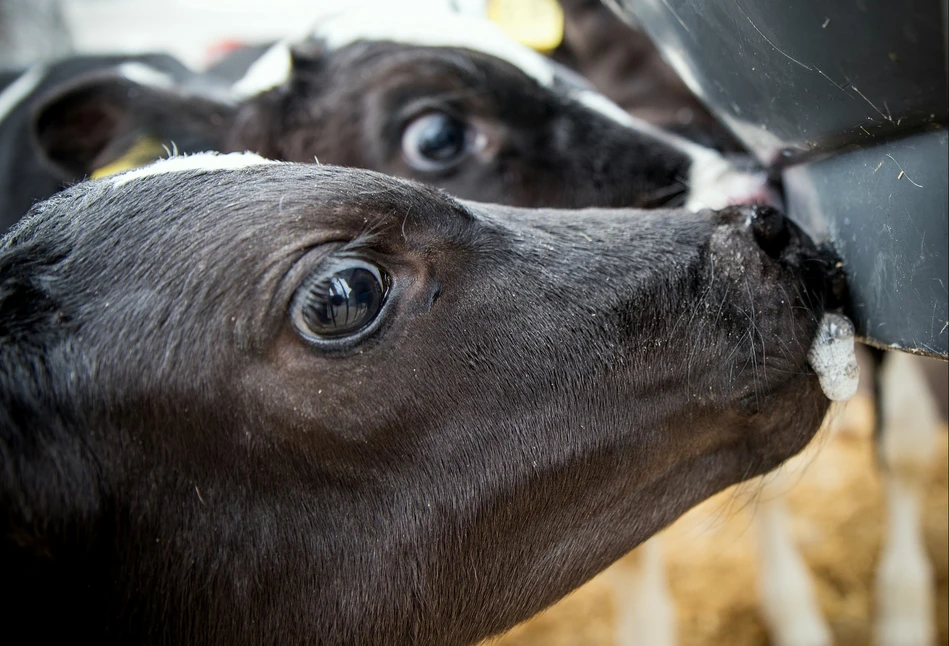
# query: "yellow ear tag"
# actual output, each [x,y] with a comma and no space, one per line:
[535,23]
[143,152]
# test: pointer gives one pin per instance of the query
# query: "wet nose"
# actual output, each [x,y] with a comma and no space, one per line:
[781,239]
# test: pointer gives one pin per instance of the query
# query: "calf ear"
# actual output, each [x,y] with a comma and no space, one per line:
[307,59]
[280,67]
[91,123]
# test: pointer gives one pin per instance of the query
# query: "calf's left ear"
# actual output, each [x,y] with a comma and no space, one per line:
[102,119]
[282,67]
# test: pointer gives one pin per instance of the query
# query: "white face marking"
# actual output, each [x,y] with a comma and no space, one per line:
[21,88]
[432,28]
[267,72]
[207,162]
[715,183]
[145,75]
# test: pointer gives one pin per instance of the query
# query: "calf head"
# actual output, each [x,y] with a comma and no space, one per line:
[257,402]
[449,101]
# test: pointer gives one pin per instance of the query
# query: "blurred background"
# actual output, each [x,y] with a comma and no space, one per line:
[836,493]
[838,519]
[192,30]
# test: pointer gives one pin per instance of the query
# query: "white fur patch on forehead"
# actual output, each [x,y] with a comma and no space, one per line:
[205,162]
[432,28]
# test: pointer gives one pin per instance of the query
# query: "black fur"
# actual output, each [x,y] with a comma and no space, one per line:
[544,148]
[350,107]
[546,389]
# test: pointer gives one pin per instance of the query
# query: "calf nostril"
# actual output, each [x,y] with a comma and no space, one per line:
[771,230]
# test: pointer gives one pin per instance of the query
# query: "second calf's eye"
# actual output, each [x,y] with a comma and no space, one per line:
[435,141]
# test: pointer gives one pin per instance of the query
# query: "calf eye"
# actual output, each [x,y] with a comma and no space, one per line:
[435,141]
[339,304]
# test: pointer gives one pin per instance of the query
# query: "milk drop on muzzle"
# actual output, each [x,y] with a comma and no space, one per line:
[833,357]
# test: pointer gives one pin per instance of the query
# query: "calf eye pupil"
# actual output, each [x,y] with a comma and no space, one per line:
[340,305]
[442,138]
[435,142]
